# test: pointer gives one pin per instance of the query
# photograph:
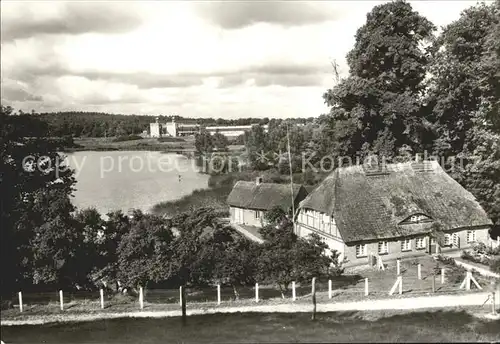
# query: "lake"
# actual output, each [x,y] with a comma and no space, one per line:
[121,180]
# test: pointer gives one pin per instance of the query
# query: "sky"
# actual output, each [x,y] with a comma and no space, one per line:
[193,58]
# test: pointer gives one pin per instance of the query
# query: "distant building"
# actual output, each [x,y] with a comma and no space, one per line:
[176,129]
[155,129]
[363,212]
[248,201]
[234,130]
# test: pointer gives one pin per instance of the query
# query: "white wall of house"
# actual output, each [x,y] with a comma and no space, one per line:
[249,217]
[155,129]
[311,221]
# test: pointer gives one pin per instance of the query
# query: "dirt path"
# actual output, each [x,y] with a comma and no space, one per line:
[473,299]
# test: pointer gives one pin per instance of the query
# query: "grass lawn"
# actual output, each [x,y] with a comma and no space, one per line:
[439,326]
[346,288]
[381,281]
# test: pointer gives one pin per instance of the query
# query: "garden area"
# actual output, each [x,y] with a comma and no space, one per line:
[483,256]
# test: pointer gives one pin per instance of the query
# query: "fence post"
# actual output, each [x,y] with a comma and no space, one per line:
[180,296]
[419,271]
[442,275]
[366,286]
[141,298]
[102,298]
[183,304]
[400,284]
[398,266]
[493,304]
[256,292]
[218,294]
[467,284]
[433,283]
[329,289]
[61,301]
[20,302]
[293,291]
[314,298]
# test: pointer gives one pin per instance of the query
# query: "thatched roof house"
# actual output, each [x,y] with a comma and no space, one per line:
[400,202]
[249,200]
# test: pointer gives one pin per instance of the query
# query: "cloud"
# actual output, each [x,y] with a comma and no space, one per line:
[13,91]
[18,94]
[239,14]
[24,20]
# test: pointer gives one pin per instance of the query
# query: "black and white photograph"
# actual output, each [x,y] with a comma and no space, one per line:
[249,171]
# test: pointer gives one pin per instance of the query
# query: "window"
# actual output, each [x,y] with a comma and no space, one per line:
[471,236]
[447,240]
[257,214]
[406,245]
[418,218]
[383,247]
[420,243]
[456,239]
[361,250]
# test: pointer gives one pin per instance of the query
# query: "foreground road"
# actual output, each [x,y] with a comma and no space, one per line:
[413,303]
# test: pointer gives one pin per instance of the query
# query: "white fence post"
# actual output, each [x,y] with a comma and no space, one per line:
[256,292]
[218,294]
[141,298]
[398,266]
[329,289]
[293,291]
[102,298]
[366,286]
[20,301]
[419,271]
[400,285]
[180,296]
[61,301]
[442,275]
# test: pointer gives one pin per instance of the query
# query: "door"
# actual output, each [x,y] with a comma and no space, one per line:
[432,246]
[236,215]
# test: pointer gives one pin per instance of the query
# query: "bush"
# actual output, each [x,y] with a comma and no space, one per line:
[495,265]
[127,138]
[170,139]
[467,256]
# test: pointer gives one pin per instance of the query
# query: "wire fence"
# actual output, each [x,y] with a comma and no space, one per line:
[417,278]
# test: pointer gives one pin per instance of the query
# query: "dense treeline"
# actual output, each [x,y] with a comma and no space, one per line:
[95,124]
[408,92]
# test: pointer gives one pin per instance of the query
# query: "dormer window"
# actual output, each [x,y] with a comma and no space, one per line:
[417,218]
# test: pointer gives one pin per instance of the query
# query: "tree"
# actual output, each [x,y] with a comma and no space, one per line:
[275,216]
[461,79]
[144,253]
[379,102]
[285,258]
[220,141]
[203,142]
[36,240]
[464,99]
[92,254]
[235,264]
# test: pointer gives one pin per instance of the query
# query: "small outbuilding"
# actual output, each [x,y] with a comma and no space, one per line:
[248,201]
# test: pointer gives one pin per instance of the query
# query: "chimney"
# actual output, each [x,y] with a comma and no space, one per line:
[258,180]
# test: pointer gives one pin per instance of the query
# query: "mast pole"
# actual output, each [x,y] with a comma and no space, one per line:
[291,176]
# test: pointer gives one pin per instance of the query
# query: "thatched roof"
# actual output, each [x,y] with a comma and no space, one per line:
[370,205]
[264,196]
